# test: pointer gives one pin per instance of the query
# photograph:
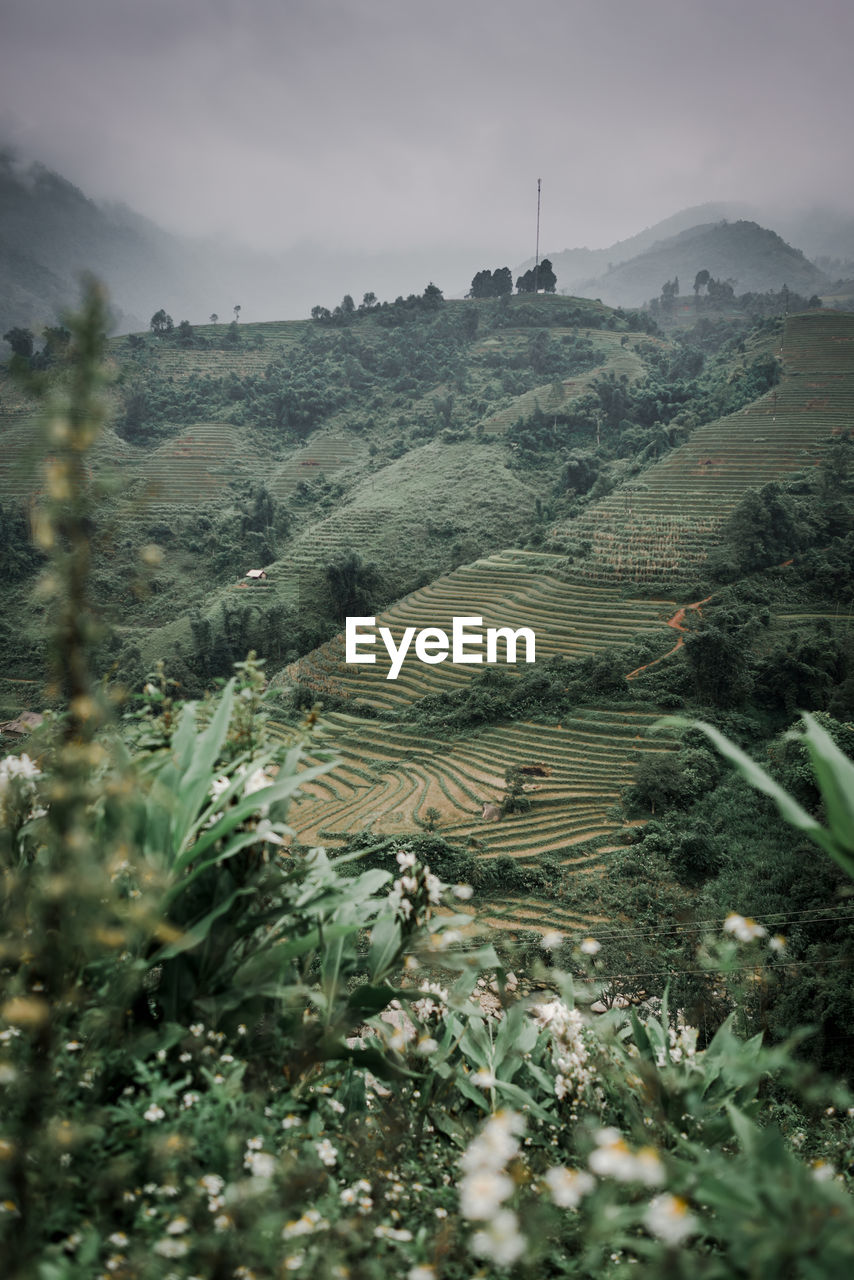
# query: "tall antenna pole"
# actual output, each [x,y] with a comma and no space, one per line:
[537,258]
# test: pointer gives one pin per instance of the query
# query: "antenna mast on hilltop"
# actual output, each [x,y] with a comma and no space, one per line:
[537,257]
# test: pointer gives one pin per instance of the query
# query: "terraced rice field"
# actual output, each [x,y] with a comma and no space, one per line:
[390,776]
[662,528]
[513,589]
[617,359]
[193,467]
[325,455]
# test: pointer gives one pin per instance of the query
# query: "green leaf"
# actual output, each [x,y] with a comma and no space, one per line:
[200,930]
[198,766]
[788,806]
[835,776]
[386,941]
[745,1131]
[368,1000]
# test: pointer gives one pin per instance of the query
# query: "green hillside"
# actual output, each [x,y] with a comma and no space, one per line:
[537,462]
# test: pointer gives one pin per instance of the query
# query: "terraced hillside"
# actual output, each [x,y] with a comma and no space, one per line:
[616,353]
[661,528]
[195,466]
[437,502]
[391,776]
[325,454]
[512,589]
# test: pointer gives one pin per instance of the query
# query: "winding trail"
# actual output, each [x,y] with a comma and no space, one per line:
[676,623]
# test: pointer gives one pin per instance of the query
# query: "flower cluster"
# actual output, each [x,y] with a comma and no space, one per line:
[743,928]
[486,1185]
[570,1056]
[416,891]
[614,1158]
[18,776]
[682,1043]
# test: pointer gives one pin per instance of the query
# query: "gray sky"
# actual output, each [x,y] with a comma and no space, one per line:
[399,124]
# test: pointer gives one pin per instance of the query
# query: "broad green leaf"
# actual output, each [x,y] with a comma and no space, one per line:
[789,808]
[199,931]
[199,768]
[835,776]
[248,807]
[386,939]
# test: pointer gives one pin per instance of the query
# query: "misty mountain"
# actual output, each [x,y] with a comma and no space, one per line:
[578,266]
[752,258]
[50,232]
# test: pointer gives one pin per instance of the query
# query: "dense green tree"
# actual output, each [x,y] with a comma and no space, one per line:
[538,279]
[701,279]
[491,284]
[351,582]
[21,341]
[161,323]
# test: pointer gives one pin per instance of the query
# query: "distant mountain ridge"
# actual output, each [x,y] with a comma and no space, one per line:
[50,232]
[752,258]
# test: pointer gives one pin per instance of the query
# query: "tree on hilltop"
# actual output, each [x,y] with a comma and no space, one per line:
[701,279]
[21,341]
[491,284]
[538,279]
[161,323]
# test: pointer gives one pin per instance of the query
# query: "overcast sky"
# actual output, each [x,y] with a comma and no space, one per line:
[399,124]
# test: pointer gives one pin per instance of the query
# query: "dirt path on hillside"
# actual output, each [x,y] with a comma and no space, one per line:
[676,622]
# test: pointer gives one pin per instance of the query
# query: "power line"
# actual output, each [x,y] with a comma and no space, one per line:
[815,915]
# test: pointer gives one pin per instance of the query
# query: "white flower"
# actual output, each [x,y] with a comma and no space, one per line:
[485,1079]
[743,927]
[310,1222]
[568,1186]
[119,1239]
[256,781]
[590,947]
[495,1145]
[668,1218]
[426,1045]
[463,892]
[327,1153]
[154,1113]
[212,1183]
[291,1121]
[551,940]
[777,943]
[260,1164]
[177,1227]
[169,1248]
[482,1191]
[421,1273]
[405,859]
[501,1241]
[392,1233]
[614,1158]
[218,786]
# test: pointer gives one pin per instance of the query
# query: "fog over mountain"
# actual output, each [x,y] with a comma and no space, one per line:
[374,127]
